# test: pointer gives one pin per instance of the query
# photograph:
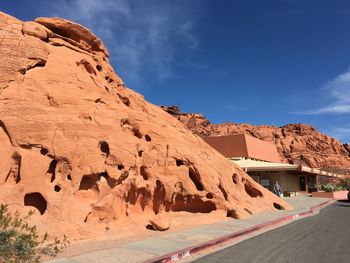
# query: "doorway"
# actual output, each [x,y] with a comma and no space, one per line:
[302,183]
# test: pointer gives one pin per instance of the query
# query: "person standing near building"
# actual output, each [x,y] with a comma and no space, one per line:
[277,189]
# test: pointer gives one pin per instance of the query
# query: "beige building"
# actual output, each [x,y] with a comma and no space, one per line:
[261,161]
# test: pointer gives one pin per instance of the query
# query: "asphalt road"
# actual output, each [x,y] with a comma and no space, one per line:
[324,238]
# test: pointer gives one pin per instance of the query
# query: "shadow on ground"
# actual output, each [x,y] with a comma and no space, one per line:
[343,203]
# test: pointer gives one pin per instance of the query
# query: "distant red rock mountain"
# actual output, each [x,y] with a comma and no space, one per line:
[296,143]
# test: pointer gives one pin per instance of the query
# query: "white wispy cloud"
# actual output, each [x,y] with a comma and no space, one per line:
[338,91]
[142,36]
[342,133]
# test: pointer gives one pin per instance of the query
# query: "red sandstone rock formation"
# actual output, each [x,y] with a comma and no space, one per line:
[82,149]
[296,143]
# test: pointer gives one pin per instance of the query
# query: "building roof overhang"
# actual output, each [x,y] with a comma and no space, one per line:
[251,165]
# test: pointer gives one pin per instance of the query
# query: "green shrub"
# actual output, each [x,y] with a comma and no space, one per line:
[332,187]
[20,242]
[345,183]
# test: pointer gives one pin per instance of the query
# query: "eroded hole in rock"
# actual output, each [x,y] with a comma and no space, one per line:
[125,100]
[23,71]
[52,170]
[251,190]
[248,211]
[87,217]
[235,178]
[140,153]
[130,128]
[89,182]
[120,167]
[278,206]
[179,162]
[150,227]
[57,188]
[137,133]
[193,204]
[69,177]
[38,63]
[52,101]
[87,66]
[36,200]
[26,146]
[110,181]
[209,196]
[44,151]
[70,34]
[122,177]
[195,177]
[124,122]
[99,67]
[108,79]
[148,138]
[144,173]
[14,175]
[99,101]
[223,191]
[104,147]
[136,194]
[159,197]
[232,213]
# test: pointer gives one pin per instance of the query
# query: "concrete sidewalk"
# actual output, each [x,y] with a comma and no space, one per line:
[174,246]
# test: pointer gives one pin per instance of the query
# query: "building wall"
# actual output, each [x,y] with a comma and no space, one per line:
[261,150]
[229,146]
[324,179]
[288,181]
[242,145]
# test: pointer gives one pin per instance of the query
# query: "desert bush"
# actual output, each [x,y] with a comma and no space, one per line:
[345,183]
[332,187]
[20,242]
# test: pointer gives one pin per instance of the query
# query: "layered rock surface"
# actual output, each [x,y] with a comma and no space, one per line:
[296,143]
[83,150]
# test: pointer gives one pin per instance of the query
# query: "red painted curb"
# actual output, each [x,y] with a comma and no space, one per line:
[184,253]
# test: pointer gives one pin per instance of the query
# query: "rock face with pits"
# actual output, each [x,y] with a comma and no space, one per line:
[82,149]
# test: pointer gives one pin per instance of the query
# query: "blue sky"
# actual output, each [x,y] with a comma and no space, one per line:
[260,62]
